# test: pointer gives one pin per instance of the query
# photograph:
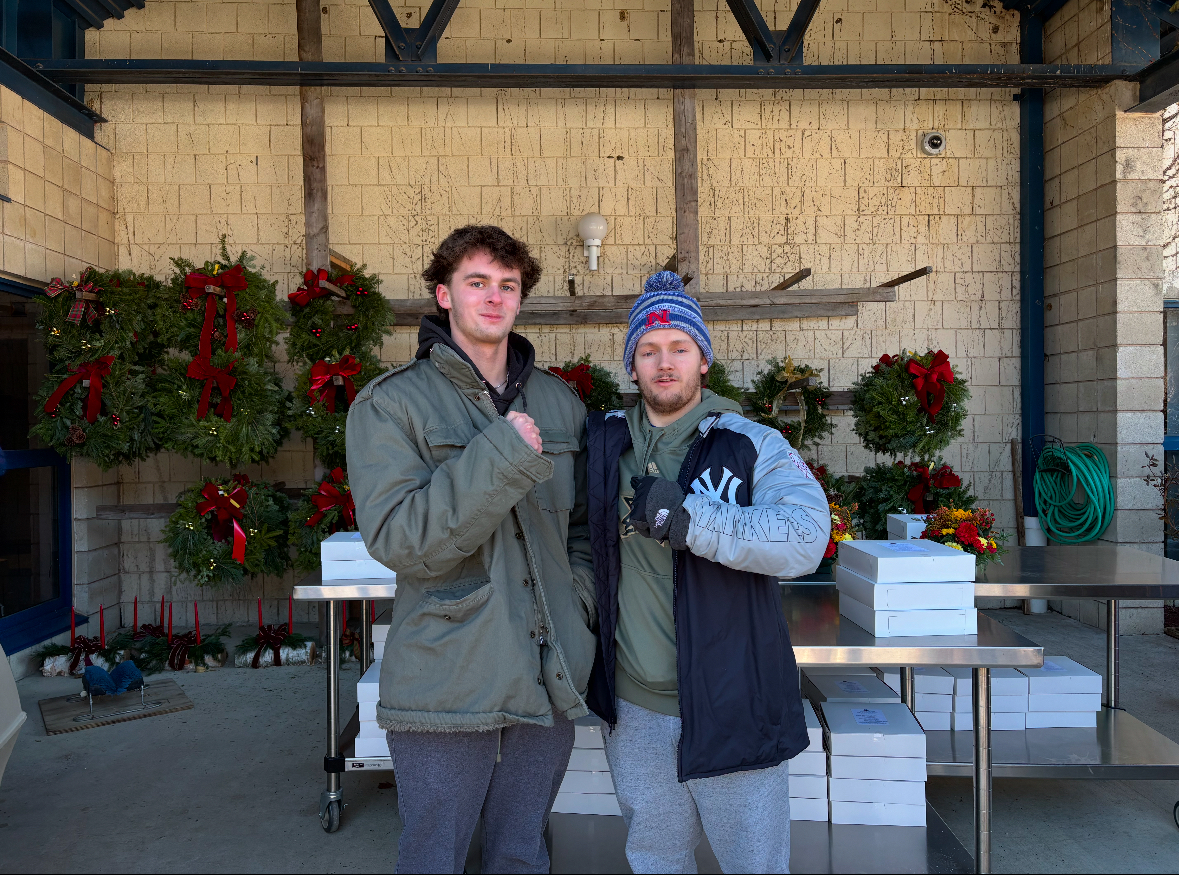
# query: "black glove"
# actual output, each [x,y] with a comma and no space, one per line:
[658,511]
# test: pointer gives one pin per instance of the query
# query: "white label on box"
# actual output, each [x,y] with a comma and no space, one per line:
[904,547]
[851,687]
[870,717]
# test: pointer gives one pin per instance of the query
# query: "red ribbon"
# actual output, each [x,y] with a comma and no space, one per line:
[329,496]
[202,369]
[82,650]
[929,383]
[886,361]
[943,478]
[323,377]
[579,378]
[272,637]
[94,372]
[178,655]
[82,306]
[311,288]
[147,630]
[232,280]
[229,507]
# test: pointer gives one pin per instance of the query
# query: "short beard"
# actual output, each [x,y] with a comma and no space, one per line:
[669,404]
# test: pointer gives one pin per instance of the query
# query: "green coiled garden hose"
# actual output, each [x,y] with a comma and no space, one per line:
[1059,472]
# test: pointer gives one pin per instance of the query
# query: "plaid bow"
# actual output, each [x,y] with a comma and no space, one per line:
[85,295]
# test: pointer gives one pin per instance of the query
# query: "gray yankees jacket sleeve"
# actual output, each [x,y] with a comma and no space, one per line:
[424,522]
[784,532]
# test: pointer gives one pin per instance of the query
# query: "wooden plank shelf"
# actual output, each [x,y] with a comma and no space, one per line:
[718,307]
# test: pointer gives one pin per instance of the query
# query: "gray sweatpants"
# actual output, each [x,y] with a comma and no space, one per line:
[745,814]
[445,780]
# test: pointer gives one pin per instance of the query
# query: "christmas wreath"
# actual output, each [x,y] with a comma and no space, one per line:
[594,385]
[909,405]
[101,313]
[321,512]
[720,383]
[332,317]
[323,394]
[792,398]
[225,529]
[905,488]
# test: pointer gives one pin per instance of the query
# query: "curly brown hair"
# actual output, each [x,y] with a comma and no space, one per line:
[493,240]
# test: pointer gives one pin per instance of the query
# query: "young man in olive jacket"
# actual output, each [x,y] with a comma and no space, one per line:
[464,465]
[695,513]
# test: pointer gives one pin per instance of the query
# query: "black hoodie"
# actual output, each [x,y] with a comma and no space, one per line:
[521,359]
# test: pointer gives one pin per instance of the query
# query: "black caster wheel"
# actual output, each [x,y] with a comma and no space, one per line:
[330,819]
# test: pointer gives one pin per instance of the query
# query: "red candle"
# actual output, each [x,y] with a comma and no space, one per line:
[291,612]
[135,622]
[101,627]
[259,613]
[196,613]
[169,622]
[73,620]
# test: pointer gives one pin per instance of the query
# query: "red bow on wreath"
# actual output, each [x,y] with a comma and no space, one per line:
[329,496]
[316,285]
[223,282]
[943,478]
[272,637]
[91,371]
[886,361]
[178,654]
[325,377]
[147,630]
[229,506]
[202,369]
[82,650]
[929,383]
[579,378]
[350,640]
[84,294]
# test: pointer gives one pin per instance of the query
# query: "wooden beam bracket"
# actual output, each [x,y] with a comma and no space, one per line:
[908,278]
[792,280]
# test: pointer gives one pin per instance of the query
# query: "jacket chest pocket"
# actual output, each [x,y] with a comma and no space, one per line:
[447,441]
[558,492]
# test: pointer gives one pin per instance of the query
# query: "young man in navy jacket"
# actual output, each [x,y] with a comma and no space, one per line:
[695,514]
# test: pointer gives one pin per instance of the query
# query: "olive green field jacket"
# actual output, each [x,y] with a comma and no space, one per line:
[495,604]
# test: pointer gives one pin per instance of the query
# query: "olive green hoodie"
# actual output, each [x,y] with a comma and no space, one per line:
[646,673]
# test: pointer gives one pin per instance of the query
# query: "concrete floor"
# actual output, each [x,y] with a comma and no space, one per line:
[233,785]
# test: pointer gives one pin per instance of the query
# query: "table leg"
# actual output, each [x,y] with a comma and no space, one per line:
[330,799]
[366,636]
[1111,653]
[981,684]
[908,695]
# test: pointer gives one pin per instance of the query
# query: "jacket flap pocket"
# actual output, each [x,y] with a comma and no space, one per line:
[557,440]
[448,435]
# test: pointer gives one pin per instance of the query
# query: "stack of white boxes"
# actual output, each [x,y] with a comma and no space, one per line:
[370,742]
[876,764]
[933,693]
[1062,694]
[1009,698]
[904,526]
[344,557]
[899,588]
[587,787]
[808,773]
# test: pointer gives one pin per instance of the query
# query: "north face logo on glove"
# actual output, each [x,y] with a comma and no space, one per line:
[703,485]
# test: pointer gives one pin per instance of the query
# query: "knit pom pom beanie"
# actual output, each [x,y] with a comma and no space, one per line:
[665,304]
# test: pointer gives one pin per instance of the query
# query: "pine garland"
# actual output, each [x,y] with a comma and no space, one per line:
[202,544]
[770,382]
[323,329]
[720,382]
[594,385]
[321,512]
[894,418]
[886,489]
[321,415]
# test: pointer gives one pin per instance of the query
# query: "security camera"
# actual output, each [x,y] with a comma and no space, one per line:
[932,142]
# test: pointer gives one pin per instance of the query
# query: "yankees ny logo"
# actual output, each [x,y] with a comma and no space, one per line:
[702,485]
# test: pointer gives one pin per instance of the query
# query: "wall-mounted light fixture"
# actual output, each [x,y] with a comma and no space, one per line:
[592,230]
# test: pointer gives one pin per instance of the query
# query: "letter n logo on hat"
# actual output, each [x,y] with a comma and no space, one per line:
[660,316]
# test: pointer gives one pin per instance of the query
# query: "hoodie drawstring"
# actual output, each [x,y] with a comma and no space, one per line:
[499,744]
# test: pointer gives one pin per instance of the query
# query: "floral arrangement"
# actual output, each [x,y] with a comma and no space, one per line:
[905,488]
[841,527]
[971,531]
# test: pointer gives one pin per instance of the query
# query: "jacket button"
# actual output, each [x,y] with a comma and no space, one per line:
[542,642]
[519,536]
[446,616]
[558,675]
[525,581]
[540,681]
[531,634]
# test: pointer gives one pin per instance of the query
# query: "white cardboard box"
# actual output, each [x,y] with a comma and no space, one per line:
[1004,682]
[380,634]
[933,702]
[876,730]
[1008,704]
[587,803]
[899,624]
[1064,702]
[863,688]
[891,677]
[588,760]
[372,747]
[858,790]
[589,737]
[933,721]
[368,688]
[932,679]
[906,561]
[1067,719]
[905,526]
[343,546]
[368,711]
[809,762]
[1061,675]
[808,809]
[878,813]
[370,729]
[877,768]
[903,596]
[356,569]
[808,786]
[814,729]
[1001,721]
[587,782]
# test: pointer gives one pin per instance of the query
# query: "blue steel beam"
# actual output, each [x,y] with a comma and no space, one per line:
[433,25]
[762,40]
[1135,31]
[397,40]
[1158,85]
[790,51]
